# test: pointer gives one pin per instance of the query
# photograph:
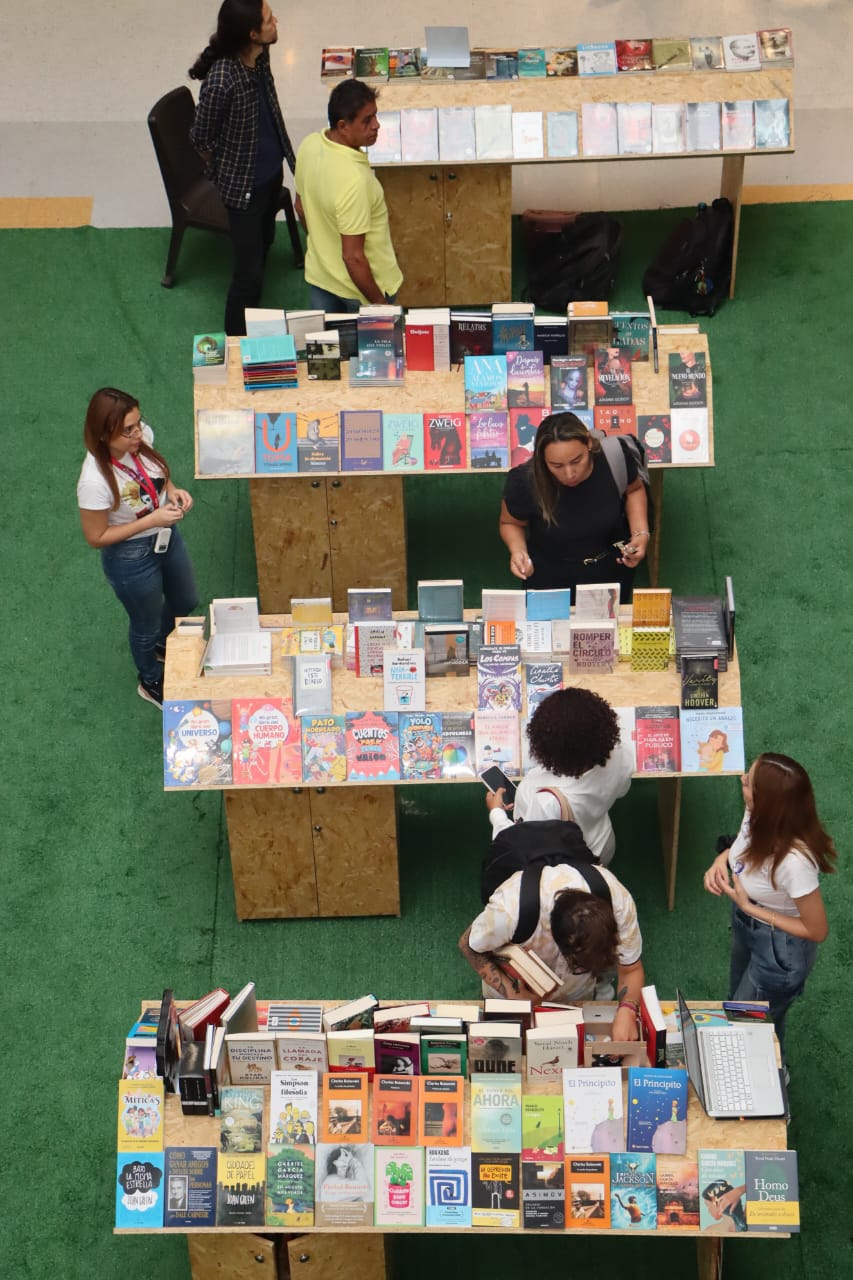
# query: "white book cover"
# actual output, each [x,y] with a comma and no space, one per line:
[742,53]
[712,740]
[293,1109]
[226,442]
[562,133]
[599,129]
[561,637]
[593,1107]
[635,128]
[738,125]
[387,147]
[264,322]
[312,685]
[399,1186]
[690,441]
[527,141]
[301,1051]
[772,123]
[536,639]
[404,680]
[667,128]
[499,604]
[627,717]
[344,1185]
[596,602]
[597,59]
[551,1050]
[448,1186]
[419,134]
[497,741]
[457,139]
[703,127]
[493,127]
[251,1057]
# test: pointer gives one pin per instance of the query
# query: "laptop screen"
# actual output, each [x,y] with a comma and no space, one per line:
[692,1057]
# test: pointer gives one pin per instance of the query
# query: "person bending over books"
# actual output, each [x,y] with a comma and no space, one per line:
[128,503]
[578,755]
[580,936]
[562,512]
[770,872]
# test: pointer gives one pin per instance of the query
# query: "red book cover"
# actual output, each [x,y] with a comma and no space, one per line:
[616,419]
[634,55]
[445,442]
[420,350]
[658,740]
[523,424]
[266,746]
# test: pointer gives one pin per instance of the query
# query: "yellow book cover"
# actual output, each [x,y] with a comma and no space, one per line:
[140,1115]
[650,649]
[311,611]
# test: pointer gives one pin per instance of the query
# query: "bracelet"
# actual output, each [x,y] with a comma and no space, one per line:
[638,533]
[629,1004]
[772,920]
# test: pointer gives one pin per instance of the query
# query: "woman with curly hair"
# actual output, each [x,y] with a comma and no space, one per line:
[578,755]
[770,873]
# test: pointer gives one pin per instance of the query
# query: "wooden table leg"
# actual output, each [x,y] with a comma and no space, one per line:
[272,853]
[709,1258]
[355,851]
[731,186]
[669,809]
[653,556]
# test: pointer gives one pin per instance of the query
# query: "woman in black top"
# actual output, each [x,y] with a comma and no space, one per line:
[562,512]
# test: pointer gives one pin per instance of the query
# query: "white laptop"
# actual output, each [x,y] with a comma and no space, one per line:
[733,1069]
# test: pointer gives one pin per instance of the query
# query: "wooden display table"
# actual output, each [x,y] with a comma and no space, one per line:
[319,535]
[332,850]
[358,1253]
[450,223]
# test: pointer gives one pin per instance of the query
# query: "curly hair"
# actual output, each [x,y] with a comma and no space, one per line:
[572,731]
[584,928]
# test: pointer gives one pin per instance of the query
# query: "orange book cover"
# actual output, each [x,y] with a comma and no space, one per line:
[394,1119]
[588,1191]
[343,1113]
[499,631]
[441,1111]
[266,741]
[651,607]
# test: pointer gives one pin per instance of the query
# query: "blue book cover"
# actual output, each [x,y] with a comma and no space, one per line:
[496,1112]
[196,743]
[531,63]
[448,1186]
[403,442]
[139,1189]
[547,605]
[361,440]
[190,1187]
[440,599]
[275,443]
[657,1110]
[499,677]
[275,348]
[633,1191]
[512,334]
[485,383]
[420,745]
[712,740]
[542,679]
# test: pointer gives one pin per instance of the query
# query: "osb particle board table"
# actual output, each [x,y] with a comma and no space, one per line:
[332,850]
[358,1253]
[450,222]
[318,535]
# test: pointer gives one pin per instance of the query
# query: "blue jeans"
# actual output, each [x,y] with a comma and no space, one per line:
[154,589]
[768,964]
[324,300]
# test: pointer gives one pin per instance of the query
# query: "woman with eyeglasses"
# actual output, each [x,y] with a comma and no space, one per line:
[129,510]
[770,872]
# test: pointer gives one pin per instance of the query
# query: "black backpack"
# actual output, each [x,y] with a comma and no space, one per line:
[576,264]
[528,847]
[693,270]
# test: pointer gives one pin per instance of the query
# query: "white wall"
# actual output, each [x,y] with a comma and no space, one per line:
[77,81]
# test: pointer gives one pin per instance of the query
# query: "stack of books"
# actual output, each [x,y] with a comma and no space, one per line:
[210,359]
[700,629]
[237,645]
[268,363]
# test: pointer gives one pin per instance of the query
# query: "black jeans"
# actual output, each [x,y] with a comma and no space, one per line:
[252,234]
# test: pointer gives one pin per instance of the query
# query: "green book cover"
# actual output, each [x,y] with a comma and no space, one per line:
[542,1127]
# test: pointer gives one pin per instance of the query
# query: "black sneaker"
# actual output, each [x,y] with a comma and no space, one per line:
[151,691]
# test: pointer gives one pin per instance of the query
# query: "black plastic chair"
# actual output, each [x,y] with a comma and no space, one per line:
[193,199]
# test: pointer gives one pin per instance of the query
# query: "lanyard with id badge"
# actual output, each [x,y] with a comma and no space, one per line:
[141,476]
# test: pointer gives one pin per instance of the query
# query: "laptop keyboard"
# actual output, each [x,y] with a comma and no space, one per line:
[728,1078]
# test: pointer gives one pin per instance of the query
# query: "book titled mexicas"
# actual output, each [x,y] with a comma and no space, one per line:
[140,1115]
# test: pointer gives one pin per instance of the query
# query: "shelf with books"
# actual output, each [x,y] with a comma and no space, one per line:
[718,1141]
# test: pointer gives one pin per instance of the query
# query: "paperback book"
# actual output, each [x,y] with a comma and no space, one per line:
[344,1185]
[677,1193]
[657,1110]
[489,440]
[420,745]
[657,739]
[361,440]
[290,1175]
[266,742]
[593,1109]
[324,756]
[495,1112]
[225,441]
[543,1195]
[499,677]
[458,753]
[275,443]
[568,383]
[399,1186]
[139,1189]
[372,746]
[190,1187]
[444,441]
[612,376]
[523,425]
[720,1172]
[497,741]
[525,379]
[542,1136]
[772,1192]
[448,1186]
[395,1109]
[344,1107]
[588,1192]
[633,1192]
[712,740]
[402,442]
[317,442]
[654,431]
[240,1189]
[441,1105]
[561,132]
[496,1190]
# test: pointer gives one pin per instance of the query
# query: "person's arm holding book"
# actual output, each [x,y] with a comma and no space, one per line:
[486,965]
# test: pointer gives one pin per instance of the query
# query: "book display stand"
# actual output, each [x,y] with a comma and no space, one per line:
[320,534]
[331,850]
[358,1253]
[451,223]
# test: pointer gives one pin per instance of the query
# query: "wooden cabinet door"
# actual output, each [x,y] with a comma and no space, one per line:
[222,1256]
[330,1257]
[477,233]
[367,536]
[415,199]
[291,527]
[272,853]
[355,850]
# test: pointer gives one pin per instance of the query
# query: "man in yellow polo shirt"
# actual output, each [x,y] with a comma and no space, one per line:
[350,258]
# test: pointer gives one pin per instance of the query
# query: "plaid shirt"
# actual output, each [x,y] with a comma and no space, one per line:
[226,125]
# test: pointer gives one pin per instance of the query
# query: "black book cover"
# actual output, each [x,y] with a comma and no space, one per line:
[168,1052]
[699,681]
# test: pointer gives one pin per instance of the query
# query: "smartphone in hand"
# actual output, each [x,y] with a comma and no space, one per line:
[495,778]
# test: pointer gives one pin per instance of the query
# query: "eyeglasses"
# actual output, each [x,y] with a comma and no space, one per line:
[127,433]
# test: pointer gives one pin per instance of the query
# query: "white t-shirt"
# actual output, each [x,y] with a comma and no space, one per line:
[498,920]
[590,798]
[94,494]
[796,875]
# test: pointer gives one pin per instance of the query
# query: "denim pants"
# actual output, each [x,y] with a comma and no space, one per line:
[324,300]
[252,234]
[768,964]
[154,589]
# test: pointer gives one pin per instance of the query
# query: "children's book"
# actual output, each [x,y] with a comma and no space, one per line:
[712,740]
[290,1177]
[499,677]
[275,443]
[139,1189]
[588,1192]
[593,1109]
[448,1186]
[633,1191]
[324,756]
[196,743]
[140,1115]
[266,742]
[420,745]
[190,1187]
[488,434]
[373,748]
[404,681]
[402,442]
[444,441]
[657,1110]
